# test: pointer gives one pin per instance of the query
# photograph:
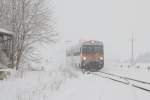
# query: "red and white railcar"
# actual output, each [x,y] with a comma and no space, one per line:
[88,55]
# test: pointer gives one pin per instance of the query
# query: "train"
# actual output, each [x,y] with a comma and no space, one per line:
[87,55]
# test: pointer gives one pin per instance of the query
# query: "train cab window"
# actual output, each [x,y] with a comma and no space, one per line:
[92,48]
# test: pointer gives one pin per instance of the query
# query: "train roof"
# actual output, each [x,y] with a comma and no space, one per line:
[80,44]
[92,42]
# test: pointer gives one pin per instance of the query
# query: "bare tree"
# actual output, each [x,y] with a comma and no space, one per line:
[30,20]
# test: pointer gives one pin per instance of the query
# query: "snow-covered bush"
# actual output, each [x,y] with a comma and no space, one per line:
[35,85]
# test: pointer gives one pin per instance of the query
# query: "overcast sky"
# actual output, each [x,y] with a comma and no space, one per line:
[111,21]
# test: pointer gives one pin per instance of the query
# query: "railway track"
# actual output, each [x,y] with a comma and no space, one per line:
[145,86]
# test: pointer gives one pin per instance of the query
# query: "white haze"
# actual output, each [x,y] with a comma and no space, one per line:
[111,21]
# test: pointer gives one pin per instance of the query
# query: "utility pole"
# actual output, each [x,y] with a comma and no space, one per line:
[132,50]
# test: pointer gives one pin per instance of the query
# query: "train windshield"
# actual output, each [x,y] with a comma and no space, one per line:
[92,48]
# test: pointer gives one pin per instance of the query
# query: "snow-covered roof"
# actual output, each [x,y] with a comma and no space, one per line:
[4,31]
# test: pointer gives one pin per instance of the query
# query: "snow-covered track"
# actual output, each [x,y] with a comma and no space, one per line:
[145,86]
[126,78]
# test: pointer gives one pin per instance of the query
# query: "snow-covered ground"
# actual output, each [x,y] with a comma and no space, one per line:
[35,85]
[89,87]
[65,83]
[139,71]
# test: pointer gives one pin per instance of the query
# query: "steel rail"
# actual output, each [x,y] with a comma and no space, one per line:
[126,78]
[125,83]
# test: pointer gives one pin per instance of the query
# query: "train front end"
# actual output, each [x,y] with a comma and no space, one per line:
[92,56]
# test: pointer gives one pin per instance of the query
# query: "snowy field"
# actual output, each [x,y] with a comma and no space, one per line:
[65,83]
[139,71]
[35,85]
[89,87]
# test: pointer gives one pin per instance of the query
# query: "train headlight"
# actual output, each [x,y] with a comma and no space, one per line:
[101,58]
[84,58]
